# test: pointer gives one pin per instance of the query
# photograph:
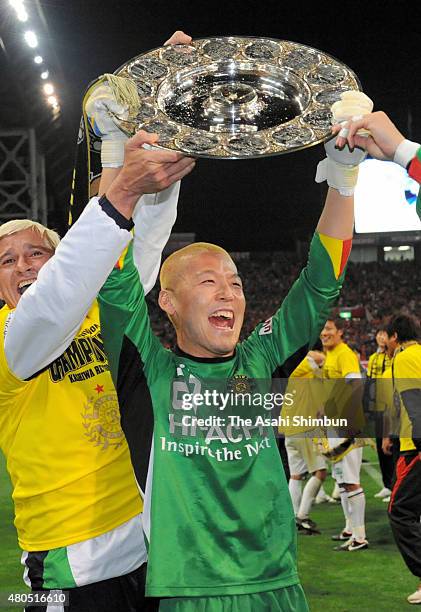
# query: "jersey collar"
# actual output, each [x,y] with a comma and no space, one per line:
[178,351]
[406,344]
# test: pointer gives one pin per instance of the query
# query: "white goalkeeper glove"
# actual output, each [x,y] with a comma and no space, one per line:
[340,167]
[99,106]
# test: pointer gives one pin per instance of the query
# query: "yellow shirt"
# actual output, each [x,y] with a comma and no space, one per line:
[66,453]
[340,361]
[307,390]
[344,401]
[378,363]
[384,396]
[406,376]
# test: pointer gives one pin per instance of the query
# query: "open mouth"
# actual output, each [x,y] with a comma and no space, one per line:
[23,285]
[222,319]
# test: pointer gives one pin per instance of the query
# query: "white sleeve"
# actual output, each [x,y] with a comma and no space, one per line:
[317,370]
[154,216]
[352,376]
[405,152]
[51,311]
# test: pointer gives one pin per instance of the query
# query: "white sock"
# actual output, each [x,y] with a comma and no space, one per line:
[310,491]
[336,490]
[356,501]
[322,493]
[347,510]
[295,490]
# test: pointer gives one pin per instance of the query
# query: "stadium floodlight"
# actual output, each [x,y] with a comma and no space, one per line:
[17,5]
[404,248]
[22,16]
[48,89]
[38,59]
[31,39]
[44,75]
[387,248]
[52,100]
[21,13]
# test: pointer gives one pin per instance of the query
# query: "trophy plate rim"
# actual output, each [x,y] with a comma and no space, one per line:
[320,75]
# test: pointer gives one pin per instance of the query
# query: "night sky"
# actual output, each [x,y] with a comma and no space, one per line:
[244,205]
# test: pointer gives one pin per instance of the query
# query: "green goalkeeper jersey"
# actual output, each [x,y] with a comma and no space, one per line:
[217,515]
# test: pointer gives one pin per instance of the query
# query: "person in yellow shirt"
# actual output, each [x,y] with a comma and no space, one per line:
[77,502]
[344,400]
[405,502]
[390,417]
[385,142]
[378,363]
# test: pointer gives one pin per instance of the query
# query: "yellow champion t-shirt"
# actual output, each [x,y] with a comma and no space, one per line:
[66,453]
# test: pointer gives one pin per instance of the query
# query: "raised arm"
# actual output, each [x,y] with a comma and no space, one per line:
[122,297]
[51,311]
[53,308]
[154,217]
[123,308]
[337,218]
[385,142]
[155,213]
[286,337]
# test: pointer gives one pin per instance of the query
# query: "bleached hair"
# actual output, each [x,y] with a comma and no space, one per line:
[50,237]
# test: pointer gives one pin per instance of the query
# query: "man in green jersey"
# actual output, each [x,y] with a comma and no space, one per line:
[217,515]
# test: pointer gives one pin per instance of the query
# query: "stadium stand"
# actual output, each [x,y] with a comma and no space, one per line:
[378,289]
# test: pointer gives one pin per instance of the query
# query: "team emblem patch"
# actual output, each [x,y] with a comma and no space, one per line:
[101,421]
[240,383]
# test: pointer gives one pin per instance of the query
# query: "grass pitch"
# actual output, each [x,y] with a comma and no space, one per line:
[10,569]
[371,580]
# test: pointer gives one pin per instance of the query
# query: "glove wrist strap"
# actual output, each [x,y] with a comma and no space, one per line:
[112,153]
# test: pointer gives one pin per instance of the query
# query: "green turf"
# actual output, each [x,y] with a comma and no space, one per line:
[10,568]
[368,581]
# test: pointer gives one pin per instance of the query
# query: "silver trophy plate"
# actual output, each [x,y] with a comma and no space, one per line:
[236,97]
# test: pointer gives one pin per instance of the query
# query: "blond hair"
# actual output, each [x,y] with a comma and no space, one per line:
[172,263]
[50,237]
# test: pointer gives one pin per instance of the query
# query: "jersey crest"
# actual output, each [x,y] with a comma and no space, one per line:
[101,421]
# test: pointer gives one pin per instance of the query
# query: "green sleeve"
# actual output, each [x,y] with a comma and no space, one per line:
[284,339]
[124,314]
